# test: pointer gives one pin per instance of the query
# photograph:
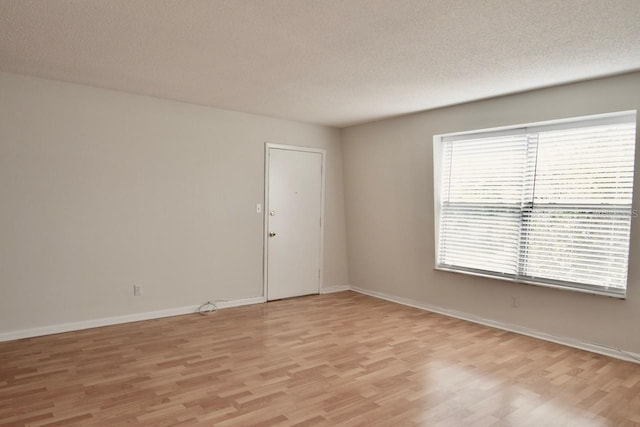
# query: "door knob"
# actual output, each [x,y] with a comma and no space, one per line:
[272,234]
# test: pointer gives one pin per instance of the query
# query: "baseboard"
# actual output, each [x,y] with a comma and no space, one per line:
[116,320]
[107,321]
[240,302]
[570,342]
[332,289]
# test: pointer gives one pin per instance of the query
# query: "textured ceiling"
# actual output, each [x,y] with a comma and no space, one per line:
[333,62]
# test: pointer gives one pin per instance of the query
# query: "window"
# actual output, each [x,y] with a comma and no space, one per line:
[547,204]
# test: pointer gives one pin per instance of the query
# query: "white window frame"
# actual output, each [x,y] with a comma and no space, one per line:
[438,143]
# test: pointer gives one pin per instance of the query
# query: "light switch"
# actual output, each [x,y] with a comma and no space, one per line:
[258,208]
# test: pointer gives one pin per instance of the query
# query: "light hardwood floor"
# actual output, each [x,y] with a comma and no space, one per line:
[338,359]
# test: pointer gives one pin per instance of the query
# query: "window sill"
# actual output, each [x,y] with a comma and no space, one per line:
[534,283]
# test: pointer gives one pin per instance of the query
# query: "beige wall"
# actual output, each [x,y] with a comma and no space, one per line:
[390,227]
[102,189]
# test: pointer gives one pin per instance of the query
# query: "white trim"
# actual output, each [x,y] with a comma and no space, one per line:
[570,342]
[337,288]
[437,162]
[295,148]
[588,121]
[116,320]
[523,281]
[265,212]
[480,134]
[606,118]
[239,302]
[265,222]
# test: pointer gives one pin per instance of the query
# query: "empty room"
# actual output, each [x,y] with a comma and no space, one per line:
[319,213]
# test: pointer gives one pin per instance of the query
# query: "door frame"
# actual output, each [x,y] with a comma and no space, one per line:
[265,211]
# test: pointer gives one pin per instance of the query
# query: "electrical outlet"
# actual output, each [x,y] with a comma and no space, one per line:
[515,301]
[136,291]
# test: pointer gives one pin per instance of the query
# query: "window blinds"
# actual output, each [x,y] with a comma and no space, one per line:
[548,205]
[482,192]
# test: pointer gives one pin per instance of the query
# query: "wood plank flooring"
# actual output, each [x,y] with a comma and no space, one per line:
[340,359]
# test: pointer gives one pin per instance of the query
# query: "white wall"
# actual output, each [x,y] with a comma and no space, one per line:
[101,189]
[390,226]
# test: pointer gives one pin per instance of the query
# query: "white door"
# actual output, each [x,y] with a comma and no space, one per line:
[293,222]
